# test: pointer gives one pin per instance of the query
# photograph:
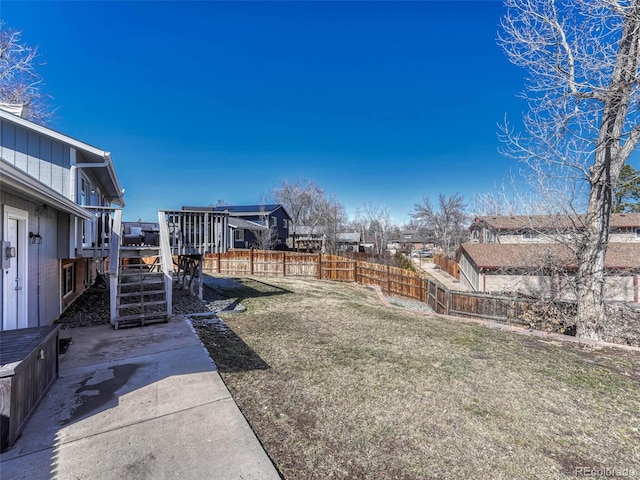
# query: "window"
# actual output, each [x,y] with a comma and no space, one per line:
[637,233]
[238,235]
[274,222]
[284,223]
[530,236]
[68,279]
[84,189]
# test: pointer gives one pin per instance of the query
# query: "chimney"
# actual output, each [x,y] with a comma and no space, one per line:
[14,108]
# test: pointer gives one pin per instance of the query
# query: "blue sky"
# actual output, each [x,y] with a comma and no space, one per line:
[378,102]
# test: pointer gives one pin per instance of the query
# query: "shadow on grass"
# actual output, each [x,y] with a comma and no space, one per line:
[228,351]
[244,288]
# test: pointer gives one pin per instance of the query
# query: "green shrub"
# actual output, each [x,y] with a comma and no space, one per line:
[400,261]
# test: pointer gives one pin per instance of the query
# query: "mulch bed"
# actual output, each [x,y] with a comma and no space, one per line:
[92,307]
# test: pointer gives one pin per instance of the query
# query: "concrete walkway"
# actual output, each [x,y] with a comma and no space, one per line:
[138,403]
[430,268]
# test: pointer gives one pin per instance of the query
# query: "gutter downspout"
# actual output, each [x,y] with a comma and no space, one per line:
[74,171]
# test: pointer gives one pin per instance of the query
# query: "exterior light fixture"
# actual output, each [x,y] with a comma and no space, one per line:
[36,238]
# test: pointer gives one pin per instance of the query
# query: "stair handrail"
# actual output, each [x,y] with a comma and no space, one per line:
[114,261]
[167,260]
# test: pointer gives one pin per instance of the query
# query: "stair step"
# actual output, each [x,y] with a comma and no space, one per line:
[141,316]
[140,293]
[143,280]
[140,319]
[139,252]
[146,280]
[139,266]
[126,292]
[141,305]
[138,271]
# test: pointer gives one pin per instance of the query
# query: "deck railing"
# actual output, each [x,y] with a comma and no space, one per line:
[167,261]
[96,232]
[196,232]
[114,260]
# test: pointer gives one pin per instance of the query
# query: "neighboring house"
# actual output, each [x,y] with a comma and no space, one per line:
[56,194]
[254,226]
[310,239]
[623,227]
[407,241]
[349,242]
[533,255]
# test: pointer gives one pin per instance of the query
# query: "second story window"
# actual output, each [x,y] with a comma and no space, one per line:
[84,192]
[89,195]
[284,223]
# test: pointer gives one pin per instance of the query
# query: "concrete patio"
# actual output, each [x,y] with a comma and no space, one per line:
[139,403]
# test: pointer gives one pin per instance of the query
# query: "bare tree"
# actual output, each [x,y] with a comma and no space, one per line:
[298,199]
[309,206]
[20,83]
[265,238]
[375,224]
[448,223]
[582,124]
[333,217]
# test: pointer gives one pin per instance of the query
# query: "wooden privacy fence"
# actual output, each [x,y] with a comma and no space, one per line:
[399,282]
[392,281]
[448,265]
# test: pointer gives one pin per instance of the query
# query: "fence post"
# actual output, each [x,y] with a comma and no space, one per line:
[251,261]
[284,264]
[424,285]
[219,257]
[355,271]
[388,280]
[447,301]
[320,266]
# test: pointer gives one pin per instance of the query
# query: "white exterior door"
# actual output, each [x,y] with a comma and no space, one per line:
[14,294]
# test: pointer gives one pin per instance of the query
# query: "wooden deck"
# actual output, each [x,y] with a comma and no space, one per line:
[28,367]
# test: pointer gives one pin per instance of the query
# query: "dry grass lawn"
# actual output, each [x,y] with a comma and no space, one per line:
[336,385]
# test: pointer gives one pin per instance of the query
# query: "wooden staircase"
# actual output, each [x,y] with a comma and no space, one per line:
[140,282]
[141,296]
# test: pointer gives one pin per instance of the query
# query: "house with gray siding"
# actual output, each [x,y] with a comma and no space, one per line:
[57,200]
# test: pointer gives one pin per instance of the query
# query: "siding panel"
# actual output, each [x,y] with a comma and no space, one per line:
[45,156]
[33,155]
[9,143]
[22,141]
[45,173]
